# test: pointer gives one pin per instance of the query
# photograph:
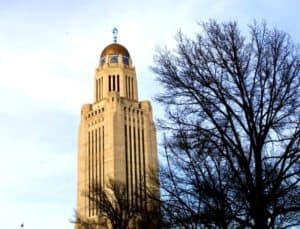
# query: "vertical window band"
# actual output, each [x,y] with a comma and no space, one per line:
[114,81]
[109,83]
[118,83]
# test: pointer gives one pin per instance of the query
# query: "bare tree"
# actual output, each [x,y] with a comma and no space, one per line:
[232,131]
[113,207]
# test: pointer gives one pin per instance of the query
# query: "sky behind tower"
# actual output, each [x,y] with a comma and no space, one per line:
[48,54]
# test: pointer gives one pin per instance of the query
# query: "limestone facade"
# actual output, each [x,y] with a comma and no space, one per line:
[117,136]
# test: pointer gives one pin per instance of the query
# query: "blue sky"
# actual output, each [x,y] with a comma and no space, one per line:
[48,54]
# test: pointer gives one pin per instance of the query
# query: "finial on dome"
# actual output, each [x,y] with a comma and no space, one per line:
[115,34]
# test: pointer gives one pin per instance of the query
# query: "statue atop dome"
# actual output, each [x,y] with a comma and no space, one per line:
[115,34]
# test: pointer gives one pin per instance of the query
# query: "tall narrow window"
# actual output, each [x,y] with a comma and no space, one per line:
[126,86]
[109,83]
[96,164]
[140,165]
[126,160]
[129,88]
[131,165]
[89,169]
[92,168]
[103,167]
[144,166]
[100,89]
[118,83]
[97,98]
[135,165]
[132,88]
[101,95]
[114,88]
[100,162]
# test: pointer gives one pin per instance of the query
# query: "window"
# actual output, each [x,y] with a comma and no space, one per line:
[114,83]
[125,60]
[118,83]
[102,61]
[109,83]
[113,59]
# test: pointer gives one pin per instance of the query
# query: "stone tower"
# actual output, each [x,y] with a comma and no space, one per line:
[117,136]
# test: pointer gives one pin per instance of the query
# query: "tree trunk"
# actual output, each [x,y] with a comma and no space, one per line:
[260,214]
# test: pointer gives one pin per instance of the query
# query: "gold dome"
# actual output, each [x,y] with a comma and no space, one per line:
[115,49]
